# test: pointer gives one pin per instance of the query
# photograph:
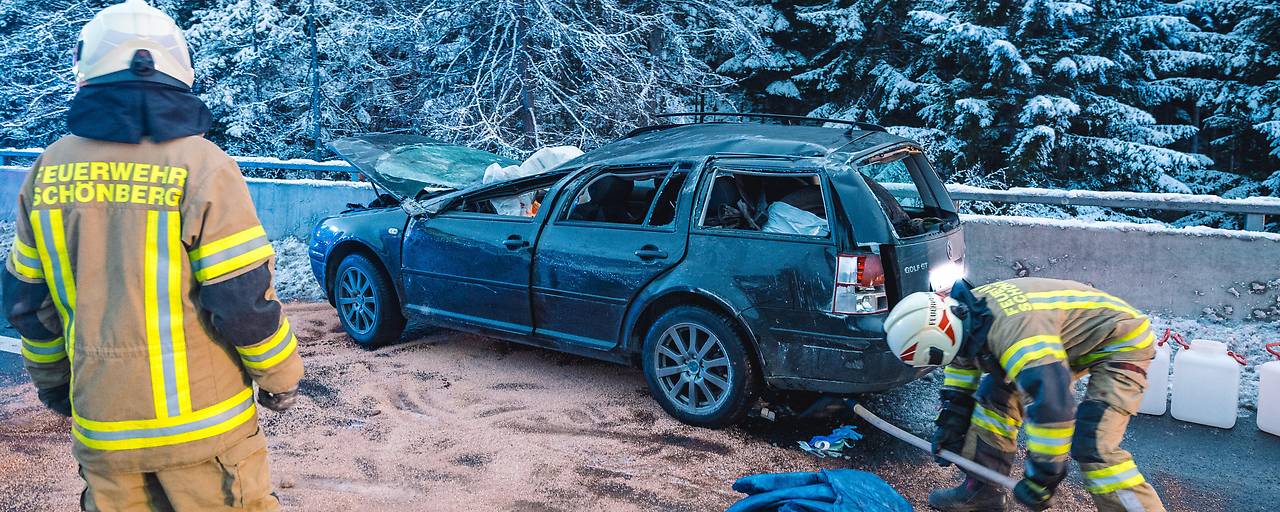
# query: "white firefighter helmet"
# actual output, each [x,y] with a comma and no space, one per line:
[132,41]
[923,330]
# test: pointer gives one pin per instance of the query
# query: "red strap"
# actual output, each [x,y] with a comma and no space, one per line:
[1239,358]
[1177,338]
[1274,348]
[1181,341]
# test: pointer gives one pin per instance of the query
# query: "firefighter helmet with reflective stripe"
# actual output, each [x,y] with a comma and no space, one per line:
[923,330]
[132,41]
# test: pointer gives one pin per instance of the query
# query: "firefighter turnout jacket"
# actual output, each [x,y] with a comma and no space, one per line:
[1033,338]
[141,277]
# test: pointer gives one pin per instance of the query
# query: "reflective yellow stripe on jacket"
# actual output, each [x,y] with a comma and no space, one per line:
[56,264]
[44,352]
[960,378]
[26,260]
[266,354]
[1137,339]
[166,338]
[1079,299]
[1030,349]
[229,254]
[187,427]
[1113,478]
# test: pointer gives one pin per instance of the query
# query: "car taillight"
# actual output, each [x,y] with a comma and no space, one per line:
[860,285]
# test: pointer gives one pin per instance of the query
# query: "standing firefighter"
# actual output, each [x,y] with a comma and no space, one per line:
[140,281]
[1032,338]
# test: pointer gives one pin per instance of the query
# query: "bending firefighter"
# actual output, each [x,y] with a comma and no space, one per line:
[141,282]
[1012,350]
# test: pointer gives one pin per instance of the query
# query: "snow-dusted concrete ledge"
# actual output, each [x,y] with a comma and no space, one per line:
[286,207]
[294,207]
[1182,271]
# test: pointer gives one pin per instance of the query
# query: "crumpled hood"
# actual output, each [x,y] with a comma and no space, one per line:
[128,111]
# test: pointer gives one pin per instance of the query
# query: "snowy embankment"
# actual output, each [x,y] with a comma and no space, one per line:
[294,280]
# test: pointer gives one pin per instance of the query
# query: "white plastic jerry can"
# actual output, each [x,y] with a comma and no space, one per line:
[1269,393]
[1156,399]
[1206,384]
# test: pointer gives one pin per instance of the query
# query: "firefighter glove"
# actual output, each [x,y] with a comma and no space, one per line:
[1035,490]
[278,401]
[952,423]
[57,399]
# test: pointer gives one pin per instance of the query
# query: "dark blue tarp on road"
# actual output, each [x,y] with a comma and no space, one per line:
[841,490]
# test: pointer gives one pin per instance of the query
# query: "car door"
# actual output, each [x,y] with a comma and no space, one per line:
[613,232]
[469,263]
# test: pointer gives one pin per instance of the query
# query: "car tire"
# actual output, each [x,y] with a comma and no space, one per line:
[366,301]
[708,383]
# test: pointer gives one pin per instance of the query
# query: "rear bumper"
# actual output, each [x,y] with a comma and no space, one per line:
[842,359]
[827,370]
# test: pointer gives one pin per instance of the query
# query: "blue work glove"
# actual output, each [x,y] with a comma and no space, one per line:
[841,490]
[832,445]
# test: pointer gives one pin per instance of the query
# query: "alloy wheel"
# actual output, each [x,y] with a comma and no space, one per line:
[357,302]
[692,368]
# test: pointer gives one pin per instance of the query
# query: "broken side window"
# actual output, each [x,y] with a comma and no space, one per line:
[618,197]
[789,203]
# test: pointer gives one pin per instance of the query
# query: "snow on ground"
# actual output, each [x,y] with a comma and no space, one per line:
[6,237]
[294,280]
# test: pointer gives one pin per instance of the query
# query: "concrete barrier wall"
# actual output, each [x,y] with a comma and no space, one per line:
[294,207]
[1186,272]
[286,207]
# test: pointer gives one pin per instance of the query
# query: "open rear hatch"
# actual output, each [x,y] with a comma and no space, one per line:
[407,165]
[918,237]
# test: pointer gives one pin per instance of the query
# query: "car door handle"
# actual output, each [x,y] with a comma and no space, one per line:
[650,252]
[514,242]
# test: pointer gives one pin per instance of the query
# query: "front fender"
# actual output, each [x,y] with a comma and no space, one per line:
[377,232]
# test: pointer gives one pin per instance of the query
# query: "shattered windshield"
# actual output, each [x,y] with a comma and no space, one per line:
[406,164]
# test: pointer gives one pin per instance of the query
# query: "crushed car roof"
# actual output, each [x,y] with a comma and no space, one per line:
[696,141]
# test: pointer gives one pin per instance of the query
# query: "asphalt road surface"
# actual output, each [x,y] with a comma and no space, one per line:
[465,423]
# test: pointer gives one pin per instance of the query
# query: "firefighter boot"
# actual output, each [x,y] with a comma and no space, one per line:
[971,496]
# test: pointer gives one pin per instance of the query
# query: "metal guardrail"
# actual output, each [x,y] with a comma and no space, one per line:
[1254,209]
[13,156]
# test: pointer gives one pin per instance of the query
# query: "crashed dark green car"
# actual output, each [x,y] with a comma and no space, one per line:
[719,257]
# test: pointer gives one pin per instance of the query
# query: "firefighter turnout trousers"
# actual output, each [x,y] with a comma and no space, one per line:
[236,480]
[1110,475]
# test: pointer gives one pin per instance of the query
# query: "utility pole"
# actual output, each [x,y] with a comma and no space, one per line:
[315,80]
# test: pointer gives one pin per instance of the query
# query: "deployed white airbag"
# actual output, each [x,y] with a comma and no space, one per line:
[539,162]
[784,218]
